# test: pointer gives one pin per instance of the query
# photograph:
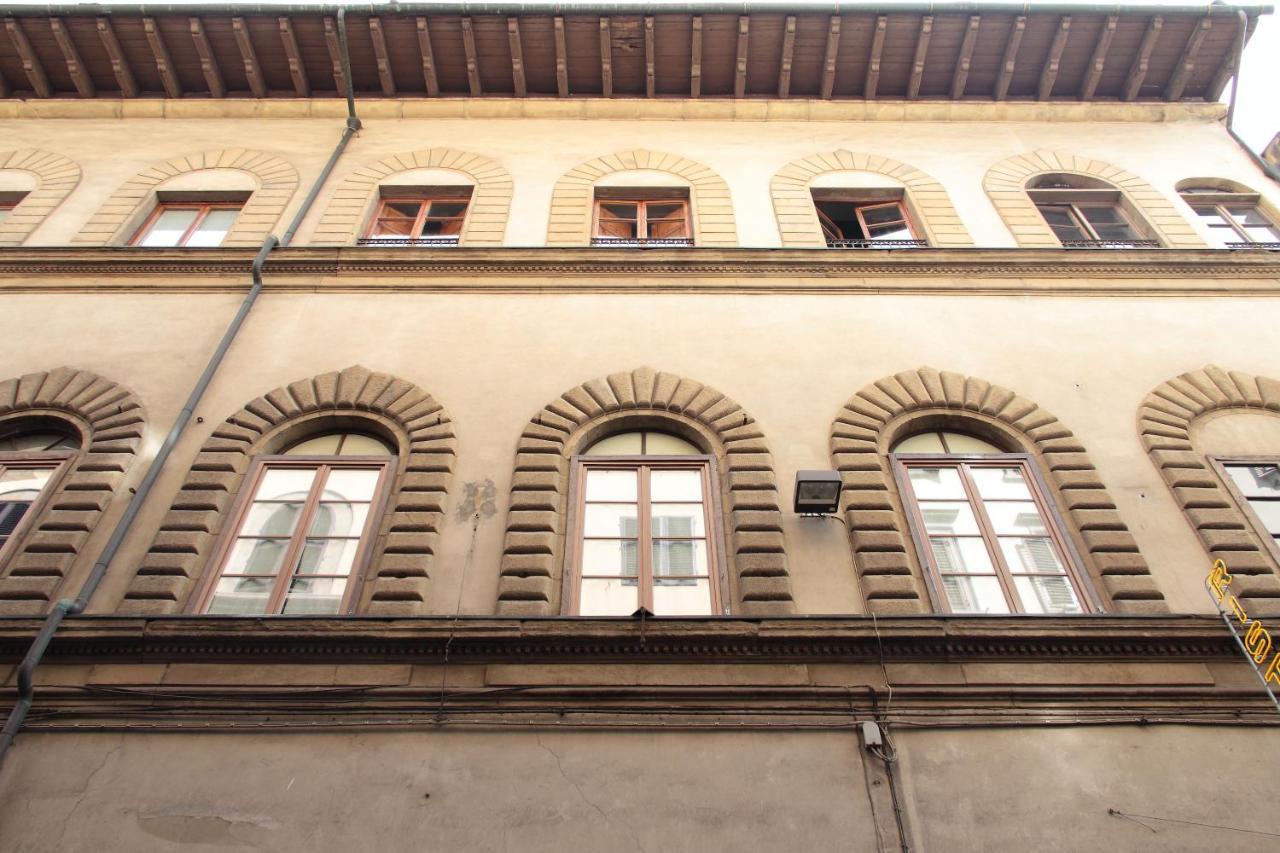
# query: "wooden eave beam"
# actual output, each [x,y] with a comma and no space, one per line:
[917,63]
[830,56]
[252,70]
[964,59]
[650,67]
[297,70]
[695,62]
[208,60]
[873,63]
[1010,59]
[562,59]
[428,58]
[1227,67]
[31,63]
[332,42]
[119,65]
[1099,59]
[1049,73]
[381,57]
[75,65]
[164,63]
[473,64]
[1138,70]
[788,54]
[1187,61]
[517,57]
[740,72]
[606,56]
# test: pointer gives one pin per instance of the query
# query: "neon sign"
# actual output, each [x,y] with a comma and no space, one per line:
[1251,636]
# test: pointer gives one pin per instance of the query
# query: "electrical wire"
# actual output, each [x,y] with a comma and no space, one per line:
[1133,817]
[457,611]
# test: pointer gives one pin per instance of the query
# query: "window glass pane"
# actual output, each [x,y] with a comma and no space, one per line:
[442,228]
[315,596]
[351,484]
[1030,554]
[958,442]
[608,597]
[682,598]
[618,219]
[1248,215]
[1256,480]
[611,485]
[963,555]
[1269,514]
[668,229]
[285,483]
[213,228]
[678,520]
[618,210]
[355,444]
[1063,223]
[4,213]
[1047,595]
[447,209]
[271,519]
[952,518]
[925,442]
[323,445]
[169,227]
[677,558]
[684,486]
[11,513]
[1109,223]
[1002,483]
[611,520]
[24,483]
[37,441]
[256,556]
[339,519]
[661,444]
[623,444]
[936,483]
[974,595]
[401,210]
[240,597]
[1019,518]
[882,214]
[392,229]
[1210,216]
[611,557]
[328,556]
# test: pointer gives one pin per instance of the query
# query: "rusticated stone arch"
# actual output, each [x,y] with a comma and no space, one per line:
[1006,185]
[533,553]
[876,416]
[1164,421]
[108,420]
[57,177]
[276,180]
[573,197]
[396,581]
[487,216]
[798,219]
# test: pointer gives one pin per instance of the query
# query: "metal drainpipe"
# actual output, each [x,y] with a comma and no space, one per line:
[1271,171]
[69,607]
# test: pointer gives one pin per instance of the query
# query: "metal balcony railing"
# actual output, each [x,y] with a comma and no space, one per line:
[407,241]
[877,244]
[642,243]
[1110,244]
[1258,247]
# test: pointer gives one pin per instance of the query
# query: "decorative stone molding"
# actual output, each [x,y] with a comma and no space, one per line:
[276,178]
[57,175]
[573,197]
[486,221]
[892,581]
[398,575]
[798,219]
[533,552]
[1164,422]
[1006,184]
[109,421]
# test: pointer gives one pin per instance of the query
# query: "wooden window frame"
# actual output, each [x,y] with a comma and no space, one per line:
[1057,530]
[642,203]
[1220,201]
[244,502]
[204,208]
[1074,207]
[424,201]
[716,566]
[60,460]
[1219,465]
[864,203]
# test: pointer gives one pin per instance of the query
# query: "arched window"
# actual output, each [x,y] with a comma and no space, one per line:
[303,528]
[1233,214]
[30,459]
[1088,213]
[644,522]
[984,528]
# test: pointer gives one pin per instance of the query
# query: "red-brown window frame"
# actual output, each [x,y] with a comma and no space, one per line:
[425,202]
[1219,465]
[244,501]
[642,221]
[864,204]
[204,208]
[716,568]
[61,462]
[1071,561]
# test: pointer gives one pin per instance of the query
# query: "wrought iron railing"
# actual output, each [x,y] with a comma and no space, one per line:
[1110,244]
[877,244]
[407,241]
[1259,247]
[642,243]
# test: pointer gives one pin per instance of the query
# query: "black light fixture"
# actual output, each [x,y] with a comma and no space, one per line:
[817,492]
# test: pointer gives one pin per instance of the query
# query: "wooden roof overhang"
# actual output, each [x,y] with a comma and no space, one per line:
[838,50]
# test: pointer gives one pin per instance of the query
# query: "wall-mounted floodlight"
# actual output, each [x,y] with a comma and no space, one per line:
[817,492]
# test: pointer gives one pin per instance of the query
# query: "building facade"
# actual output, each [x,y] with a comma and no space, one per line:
[427,464]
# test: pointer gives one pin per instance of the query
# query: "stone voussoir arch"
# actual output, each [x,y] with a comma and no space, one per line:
[1165,423]
[276,178]
[57,177]
[486,221]
[883,554]
[1006,186]
[572,199]
[396,581]
[533,552]
[109,421]
[798,222]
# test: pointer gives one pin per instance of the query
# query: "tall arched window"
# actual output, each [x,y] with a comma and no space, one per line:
[30,459]
[1088,213]
[303,529]
[643,529]
[984,529]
